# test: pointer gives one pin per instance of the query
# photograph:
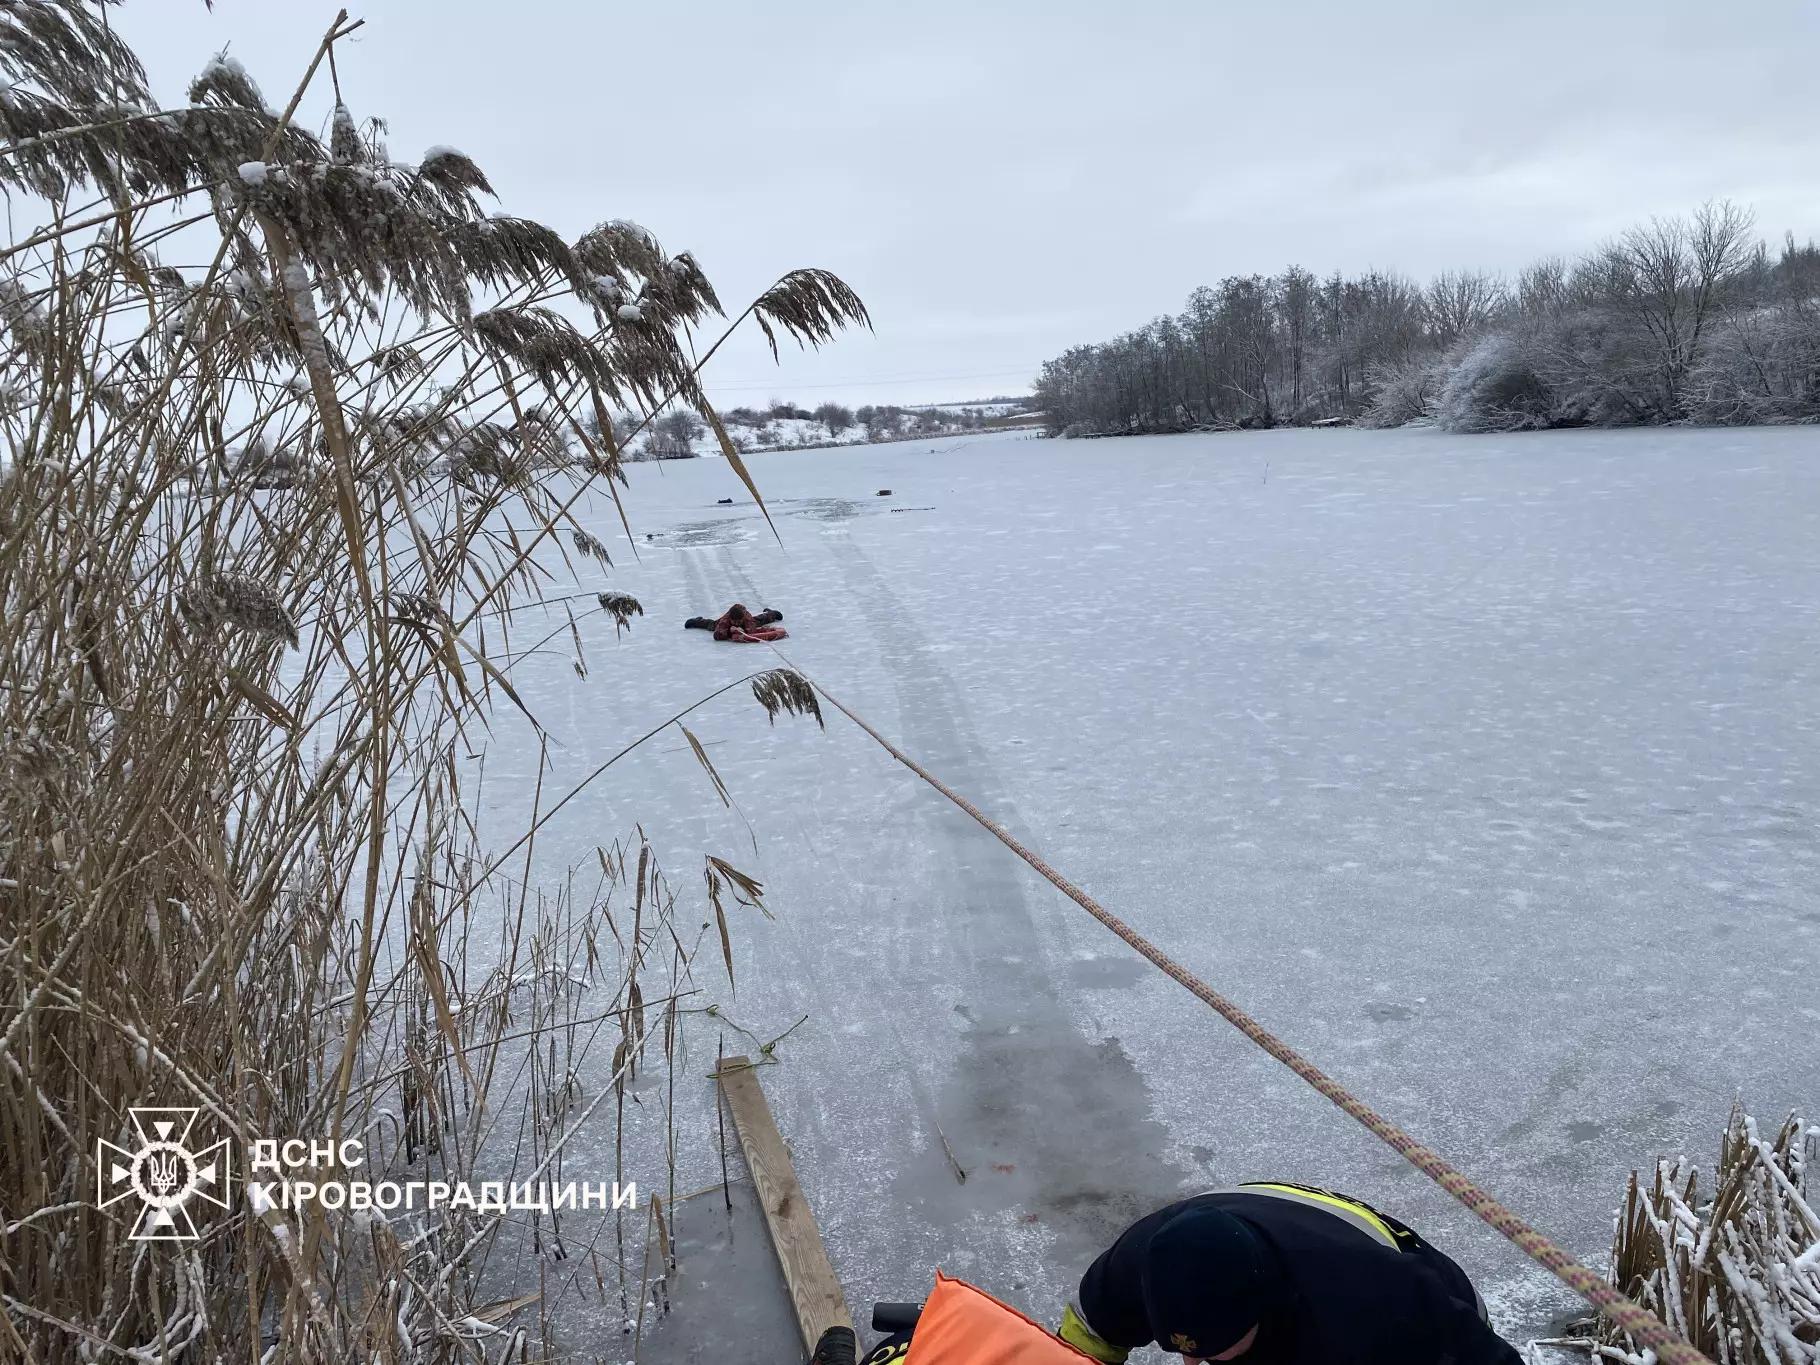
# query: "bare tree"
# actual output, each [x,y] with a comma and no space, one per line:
[1669,275]
[834,417]
[1542,288]
[1459,303]
[673,435]
[1295,305]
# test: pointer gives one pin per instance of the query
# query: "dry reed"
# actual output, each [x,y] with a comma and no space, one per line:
[1732,1264]
[252,600]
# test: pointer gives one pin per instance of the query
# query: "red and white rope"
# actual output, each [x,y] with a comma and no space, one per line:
[1644,1327]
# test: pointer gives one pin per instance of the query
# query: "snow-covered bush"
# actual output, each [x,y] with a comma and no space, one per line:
[1404,392]
[1603,369]
[1495,386]
[1761,366]
[1733,1266]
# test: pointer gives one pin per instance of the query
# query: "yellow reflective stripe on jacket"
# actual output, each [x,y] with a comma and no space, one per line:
[1361,1216]
[887,1351]
[1078,1334]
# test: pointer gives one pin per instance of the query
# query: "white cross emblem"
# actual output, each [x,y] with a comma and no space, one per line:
[164,1173]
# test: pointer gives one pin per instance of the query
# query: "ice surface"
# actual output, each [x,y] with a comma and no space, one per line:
[728,1294]
[1483,769]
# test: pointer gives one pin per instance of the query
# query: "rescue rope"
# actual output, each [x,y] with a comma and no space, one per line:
[1644,1327]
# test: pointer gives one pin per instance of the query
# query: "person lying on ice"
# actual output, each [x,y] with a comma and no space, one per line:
[738,624]
[1276,1274]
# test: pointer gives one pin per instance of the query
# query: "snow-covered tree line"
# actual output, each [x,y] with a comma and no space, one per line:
[1681,320]
[679,434]
[880,421]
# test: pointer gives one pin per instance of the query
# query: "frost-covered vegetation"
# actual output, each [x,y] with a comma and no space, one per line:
[680,435]
[1682,320]
[266,523]
[1731,1262]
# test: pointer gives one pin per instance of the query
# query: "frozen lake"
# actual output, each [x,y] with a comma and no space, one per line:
[1483,769]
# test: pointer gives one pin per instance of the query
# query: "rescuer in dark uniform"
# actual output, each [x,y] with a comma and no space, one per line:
[1277,1274]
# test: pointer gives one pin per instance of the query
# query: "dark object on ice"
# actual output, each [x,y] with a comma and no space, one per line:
[884,492]
[838,1346]
[1290,1273]
[723,502]
[895,1317]
[741,626]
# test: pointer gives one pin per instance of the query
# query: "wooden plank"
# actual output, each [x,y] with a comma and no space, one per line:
[814,1291]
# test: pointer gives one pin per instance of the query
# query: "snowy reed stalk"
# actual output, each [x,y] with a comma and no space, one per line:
[1733,1265]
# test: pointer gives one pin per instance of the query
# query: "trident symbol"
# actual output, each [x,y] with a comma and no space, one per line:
[166,1175]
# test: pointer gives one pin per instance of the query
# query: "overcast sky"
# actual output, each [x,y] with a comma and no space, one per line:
[1000,181]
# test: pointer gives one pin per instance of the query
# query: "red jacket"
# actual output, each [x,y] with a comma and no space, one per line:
[743,627]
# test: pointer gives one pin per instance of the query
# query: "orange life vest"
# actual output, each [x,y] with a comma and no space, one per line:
[962,1325]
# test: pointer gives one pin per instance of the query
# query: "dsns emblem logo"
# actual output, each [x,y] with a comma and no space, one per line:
[164,1174]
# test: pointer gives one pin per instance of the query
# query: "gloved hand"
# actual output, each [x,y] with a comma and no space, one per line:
[1078,1334]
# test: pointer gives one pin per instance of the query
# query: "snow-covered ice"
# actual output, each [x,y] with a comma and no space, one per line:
[1483,769]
